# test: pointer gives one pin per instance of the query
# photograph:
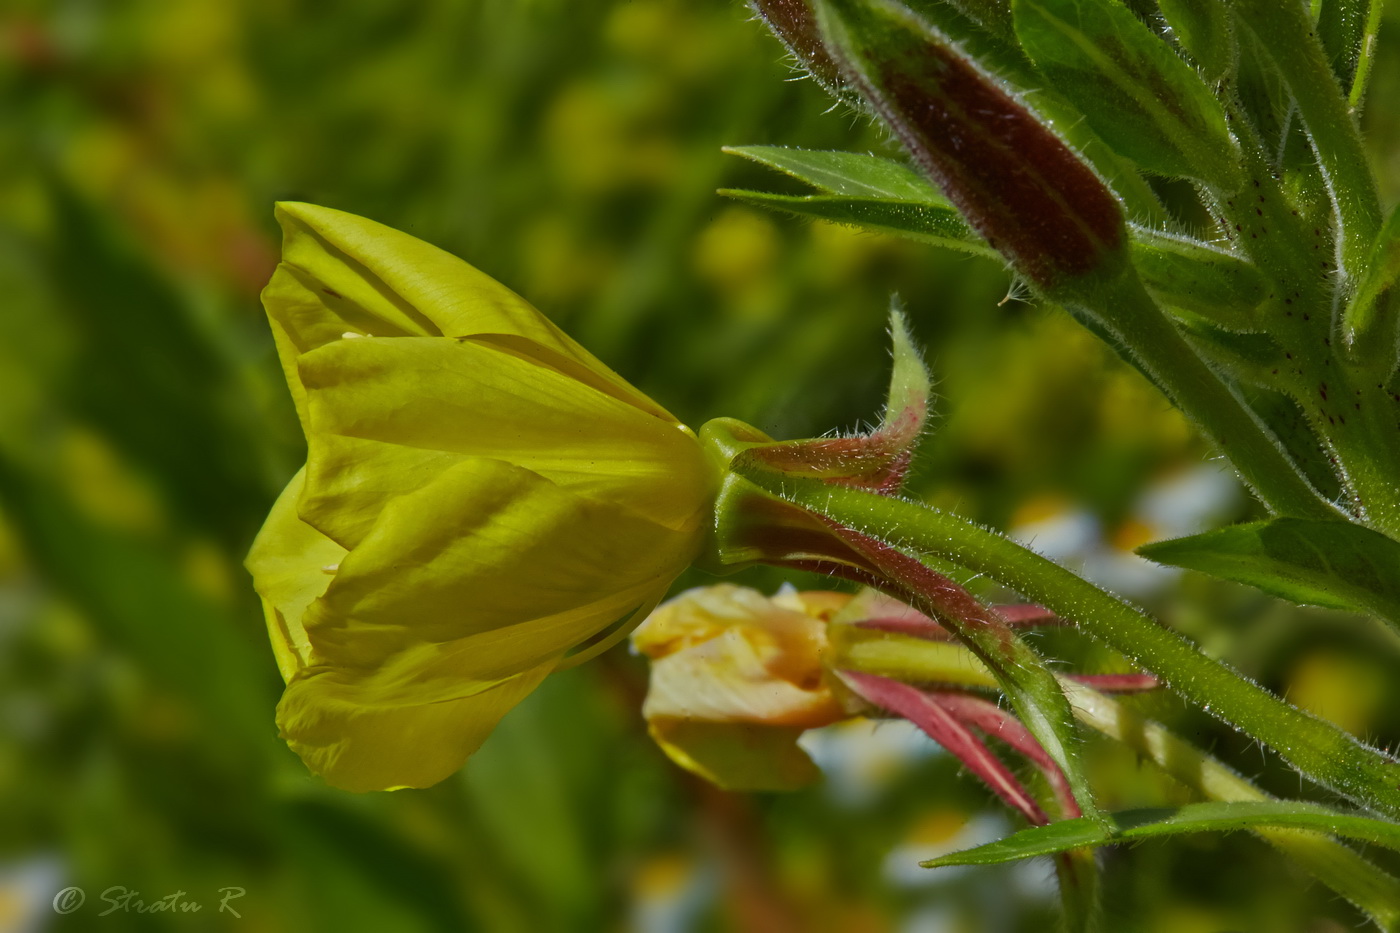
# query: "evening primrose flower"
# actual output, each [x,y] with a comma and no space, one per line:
[736,678]
[481,496]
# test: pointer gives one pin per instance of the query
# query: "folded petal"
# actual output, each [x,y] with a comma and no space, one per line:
[292,565]
[730,679]
[437,396]
[490,547]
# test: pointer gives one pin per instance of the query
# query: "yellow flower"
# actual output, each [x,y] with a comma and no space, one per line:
[481,496]
[736,677]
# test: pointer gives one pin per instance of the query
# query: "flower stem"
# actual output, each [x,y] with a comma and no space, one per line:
[1340,868]
[1316,748]
[1199,391]
[1290,36]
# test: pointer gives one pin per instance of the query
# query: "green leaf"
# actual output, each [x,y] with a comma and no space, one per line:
[863,191]
[1206,30]
[1247,357]
[1261,91]
[1134,90]
[1333,564]
[1380,275]
[1128,825]
[1289,36]
[849,174]
[937,226]
[1287,421]
[1348,32]
[883,195]
[1197,277]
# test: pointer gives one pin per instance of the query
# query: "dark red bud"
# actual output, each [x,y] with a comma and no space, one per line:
[1016,182]
[795,23]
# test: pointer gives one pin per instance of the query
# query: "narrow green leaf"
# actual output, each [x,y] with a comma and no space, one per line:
[1288,34]
[938,226]
[1247,357]
[849,174]
[1194,276]
[1343,869]
[1287,421]
[1206,30]
[1365,55]
[1333,564]
[1262,93]
[1134,90]
[1380,275]
[1342,27]
[883,195]
[1128,825]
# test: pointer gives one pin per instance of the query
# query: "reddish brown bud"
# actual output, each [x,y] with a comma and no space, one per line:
[1031,196]
[794,22]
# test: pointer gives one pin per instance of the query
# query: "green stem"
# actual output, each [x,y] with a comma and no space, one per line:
[1025,679]
[1334,864]
[1199,392]
[914,660]
[1287,31]
[1314,747]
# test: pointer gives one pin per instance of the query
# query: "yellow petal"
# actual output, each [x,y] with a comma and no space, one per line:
[486,546]
[342,273]
[436,396]
[290,562]
[359,745]
[735,756]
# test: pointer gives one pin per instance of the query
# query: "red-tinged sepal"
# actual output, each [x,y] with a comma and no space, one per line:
[879,459]
[928,712]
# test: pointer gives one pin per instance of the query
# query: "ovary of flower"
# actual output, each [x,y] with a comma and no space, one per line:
[736,678]
[489,494]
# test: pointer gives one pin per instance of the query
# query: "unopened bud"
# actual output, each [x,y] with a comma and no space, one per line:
[1026,192]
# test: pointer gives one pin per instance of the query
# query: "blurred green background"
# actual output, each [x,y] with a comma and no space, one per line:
[571,149]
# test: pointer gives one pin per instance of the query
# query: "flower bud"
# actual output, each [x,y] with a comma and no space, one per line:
[1026,192]
[736,677]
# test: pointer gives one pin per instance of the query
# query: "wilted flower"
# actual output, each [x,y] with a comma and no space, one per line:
[481,496]
[736,677]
